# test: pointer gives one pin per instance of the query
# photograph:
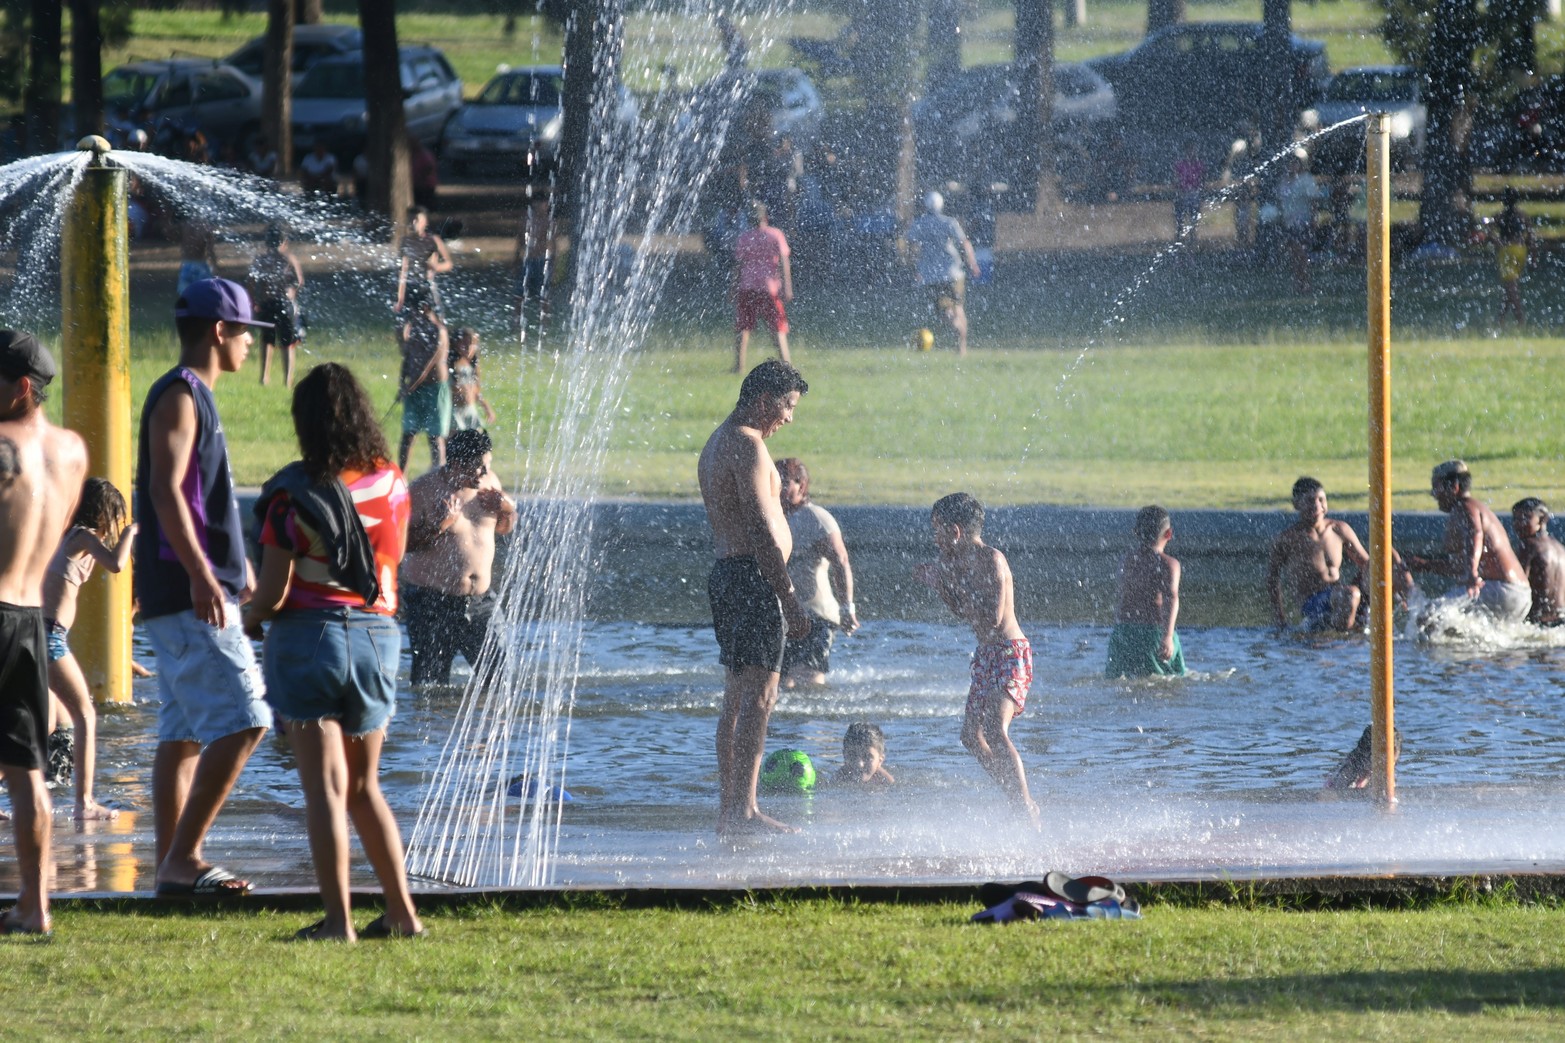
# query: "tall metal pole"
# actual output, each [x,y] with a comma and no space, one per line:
[1378,253]
[95,330]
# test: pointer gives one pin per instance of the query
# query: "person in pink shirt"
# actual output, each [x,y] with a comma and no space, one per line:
[763,281]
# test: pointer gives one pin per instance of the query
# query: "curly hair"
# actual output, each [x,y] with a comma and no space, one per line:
[102,508]
[335,422]
[793,467]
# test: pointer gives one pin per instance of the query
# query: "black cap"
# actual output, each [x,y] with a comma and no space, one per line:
[21,355]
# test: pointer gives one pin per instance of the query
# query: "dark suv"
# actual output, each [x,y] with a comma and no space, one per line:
[1204,82]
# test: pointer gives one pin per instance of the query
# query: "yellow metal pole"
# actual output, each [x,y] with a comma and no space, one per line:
[95,330]
[1378,253]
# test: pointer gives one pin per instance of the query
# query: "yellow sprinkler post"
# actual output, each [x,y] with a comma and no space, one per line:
[1378,251]
[95,331]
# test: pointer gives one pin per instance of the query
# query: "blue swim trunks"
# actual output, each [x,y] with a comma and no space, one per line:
[1316,610]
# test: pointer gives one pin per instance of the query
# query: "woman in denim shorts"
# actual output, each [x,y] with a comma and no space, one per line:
[333,529]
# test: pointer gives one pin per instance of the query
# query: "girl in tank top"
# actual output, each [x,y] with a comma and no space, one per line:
[101,517]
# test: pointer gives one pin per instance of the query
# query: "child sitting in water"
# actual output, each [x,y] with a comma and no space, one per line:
[100,517]
[1543,558]
[1144,641]
[974,580]
[467,396]
[864,755]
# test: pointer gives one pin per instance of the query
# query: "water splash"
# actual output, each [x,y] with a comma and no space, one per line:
[516,712]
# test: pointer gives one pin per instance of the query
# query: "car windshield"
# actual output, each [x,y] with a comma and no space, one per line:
[123,89]
[1372,86]
[332,80]
[540,90]
[1072,81]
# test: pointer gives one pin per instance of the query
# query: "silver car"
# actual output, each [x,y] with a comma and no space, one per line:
[189,93]
[328,104]
[515,121]
[1394,89]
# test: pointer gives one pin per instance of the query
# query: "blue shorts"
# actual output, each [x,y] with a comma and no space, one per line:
[335,664]
[208,678]
[56,635]
[1316,610]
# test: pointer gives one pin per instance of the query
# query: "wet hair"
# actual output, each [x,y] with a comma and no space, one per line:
[1306,486]
[417,211]
[1151,523]
[861,738]
[960,509]
[102,508]
[793,467]
[468,447]
[193,329]
[773,377]
[1531,507]
[462,338]
[1453,471]
[275,234]
[336,423]
[758,208]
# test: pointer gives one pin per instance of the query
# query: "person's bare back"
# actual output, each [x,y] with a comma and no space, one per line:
[741,492]
[1149,578]
[38,494]
[975,583]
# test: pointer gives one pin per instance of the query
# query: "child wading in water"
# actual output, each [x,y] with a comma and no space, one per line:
[1144,641]
[467,391]
[101,517]
[974,580]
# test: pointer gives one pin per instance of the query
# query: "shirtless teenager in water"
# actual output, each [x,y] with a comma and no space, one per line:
[753,603]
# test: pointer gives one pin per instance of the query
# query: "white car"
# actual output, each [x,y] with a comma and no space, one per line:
[1394,89]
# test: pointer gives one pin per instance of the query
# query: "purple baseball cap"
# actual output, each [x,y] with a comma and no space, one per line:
[217,299]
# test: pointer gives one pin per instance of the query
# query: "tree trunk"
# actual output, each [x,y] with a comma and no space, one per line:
[386,147]
[277,83]
[884,76]
[41,98]
[86,67]
[1445,209]
[308,12]
[583,29]
[1512,28]
[1035,85]
[943,52]
[1163,13]
[1277,108]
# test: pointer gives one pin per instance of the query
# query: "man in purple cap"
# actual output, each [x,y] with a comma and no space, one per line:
[191,575]
[41,471]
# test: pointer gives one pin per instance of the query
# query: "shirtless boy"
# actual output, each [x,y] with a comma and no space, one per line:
[974,580]
[457,511]
[754,606]
[41,471]
[1543,558]
[1477,551]
[1144,641]
[1310,553]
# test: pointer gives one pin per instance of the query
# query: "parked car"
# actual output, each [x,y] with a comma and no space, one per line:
[311,43]
[962,126]
[1206,82]
[1526,132]
[183,94]
[329,105]
[1394,89]
[792,101]
[515,121]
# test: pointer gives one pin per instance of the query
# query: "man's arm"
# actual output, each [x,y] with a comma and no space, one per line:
[1352,549]
[1274,569]
[787,274]
[1538,580]
[271,588]
[1170,609]
[440,260]
[1467,549]
[840,573]
[428,517]
[172,435]
[492,498]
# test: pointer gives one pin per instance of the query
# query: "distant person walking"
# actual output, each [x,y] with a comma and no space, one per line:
[191,573]
[333,529]
[822,578]
[41,471]
[425,387]
[1297,196]
[1513,242]
[424,257]
[1189,179]
[763,284]
[940,249]
[275,280]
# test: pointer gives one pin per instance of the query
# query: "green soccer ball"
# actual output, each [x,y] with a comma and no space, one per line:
[787,771]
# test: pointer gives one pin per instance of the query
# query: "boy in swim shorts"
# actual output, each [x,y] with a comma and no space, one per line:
[974,580]
[1144,641]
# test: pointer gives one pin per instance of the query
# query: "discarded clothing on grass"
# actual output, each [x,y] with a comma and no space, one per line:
[1027,906]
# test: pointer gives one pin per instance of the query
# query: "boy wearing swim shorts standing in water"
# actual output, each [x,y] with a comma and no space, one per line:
[1144,641]
[974,580]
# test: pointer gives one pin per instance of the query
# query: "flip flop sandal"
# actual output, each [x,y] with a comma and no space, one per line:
[381,928]
[209,884]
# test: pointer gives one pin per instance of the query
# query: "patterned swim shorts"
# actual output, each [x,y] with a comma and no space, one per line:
[1005,666]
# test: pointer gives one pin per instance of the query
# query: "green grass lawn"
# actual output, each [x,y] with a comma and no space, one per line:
[802,969]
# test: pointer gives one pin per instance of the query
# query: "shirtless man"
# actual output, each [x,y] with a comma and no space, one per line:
[1310,554]
[1543,557]
[41,472]
[753,602]
[458,510]
[1477,551]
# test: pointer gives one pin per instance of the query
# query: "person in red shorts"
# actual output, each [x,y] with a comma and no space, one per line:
[763,280]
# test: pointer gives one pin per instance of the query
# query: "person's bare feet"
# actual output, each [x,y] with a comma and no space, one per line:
[140,671]
[755,822]
[92,811]
[11,924]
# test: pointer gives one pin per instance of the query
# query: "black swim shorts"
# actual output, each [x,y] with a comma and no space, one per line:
[746,615]
[811,652]
[283,314]
[24,688]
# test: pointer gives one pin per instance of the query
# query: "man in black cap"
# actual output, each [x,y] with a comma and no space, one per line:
[191,574]
[41,472]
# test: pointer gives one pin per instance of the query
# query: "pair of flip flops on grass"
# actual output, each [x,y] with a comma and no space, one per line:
[379,927]
[1056,897]
[212,882]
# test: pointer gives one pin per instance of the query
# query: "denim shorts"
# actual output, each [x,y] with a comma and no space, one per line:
[59,646]
[207,676]
[333,663]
